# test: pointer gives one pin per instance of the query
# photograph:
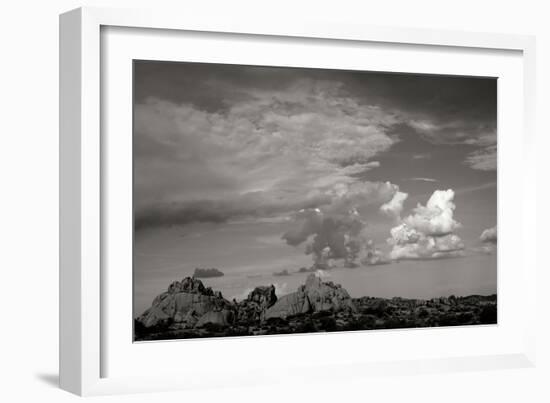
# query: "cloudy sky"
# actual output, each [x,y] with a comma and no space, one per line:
[246,164]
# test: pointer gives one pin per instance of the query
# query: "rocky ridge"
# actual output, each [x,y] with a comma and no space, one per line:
[188,309]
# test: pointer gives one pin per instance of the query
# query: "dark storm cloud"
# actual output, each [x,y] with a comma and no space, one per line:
[208,136]
[444,110]
[167,215]
[441,109]
[338,231]
[251,205]
[471,100]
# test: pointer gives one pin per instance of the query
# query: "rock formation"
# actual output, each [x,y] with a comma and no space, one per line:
[188,303]
[188,309]
[314,296]
[221,318]
[184,301]
[253,308]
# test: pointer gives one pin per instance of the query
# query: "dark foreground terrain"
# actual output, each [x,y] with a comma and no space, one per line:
[188,309]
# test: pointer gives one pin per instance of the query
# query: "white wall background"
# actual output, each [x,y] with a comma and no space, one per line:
[29,200]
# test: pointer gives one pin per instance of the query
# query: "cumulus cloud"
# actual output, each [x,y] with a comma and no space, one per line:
[370,255]
[394,207]
[424,247]
[489,235]
[309,222]
[436,218]
[313,134]
[322,274]
[428,232]
[337,231]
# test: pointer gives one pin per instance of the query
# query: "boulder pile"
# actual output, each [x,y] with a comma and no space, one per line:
[314,296]
[185,302]
[189,304]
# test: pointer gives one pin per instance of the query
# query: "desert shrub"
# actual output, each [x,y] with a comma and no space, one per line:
[378,308]
[399,323]
[213,327]
[448,320]
[306,327]
[465,317]
[161,326]
[321,314]
[367,322]
[328,324]
[488,315]
[276,322]
[423,313]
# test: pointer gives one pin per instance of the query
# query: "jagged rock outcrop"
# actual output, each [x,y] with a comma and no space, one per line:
[188,304]
[189,285]
[253,308]
[314,296]
[190,310]
[222,318]
[264,296]
[184,301]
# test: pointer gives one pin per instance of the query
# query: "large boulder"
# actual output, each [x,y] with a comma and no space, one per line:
[189,285]
[253,308]
[188,320]
[188,304]
[222,318]
[184,300]
[327,296]
[314,296]
[289,305]
[153,317]
[263,295]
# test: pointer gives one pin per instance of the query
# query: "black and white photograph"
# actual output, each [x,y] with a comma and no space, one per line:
[280,200]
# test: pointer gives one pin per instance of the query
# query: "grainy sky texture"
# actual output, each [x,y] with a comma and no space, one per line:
[346,168]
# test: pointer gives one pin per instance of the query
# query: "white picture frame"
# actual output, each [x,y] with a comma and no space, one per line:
[83,177]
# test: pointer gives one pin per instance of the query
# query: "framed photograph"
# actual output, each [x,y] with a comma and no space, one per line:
[328,198]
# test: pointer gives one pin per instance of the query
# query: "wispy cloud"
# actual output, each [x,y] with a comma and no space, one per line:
[195,165]
[423,179]
[484,159]
[421,156]
[482,134]
[476,188]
